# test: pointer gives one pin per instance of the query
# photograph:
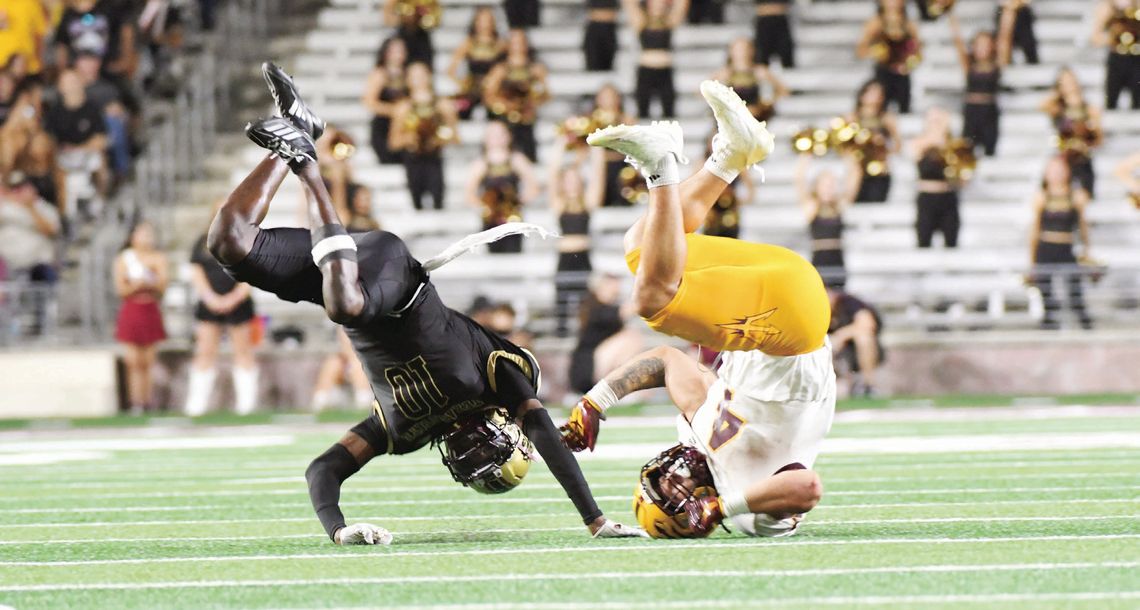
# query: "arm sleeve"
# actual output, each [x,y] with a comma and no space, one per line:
[325,476]
[541,431]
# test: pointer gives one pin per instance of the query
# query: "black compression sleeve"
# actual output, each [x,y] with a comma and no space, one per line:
[541,431]
[325,476]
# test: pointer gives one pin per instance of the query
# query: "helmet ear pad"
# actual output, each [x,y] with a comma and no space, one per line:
[660,512]
[487,452]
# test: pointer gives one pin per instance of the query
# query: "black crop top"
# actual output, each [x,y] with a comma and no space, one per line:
[656,39]
[609,5]
[1059,215]
[826,227]
[574,223]
[932,166]
[983,81]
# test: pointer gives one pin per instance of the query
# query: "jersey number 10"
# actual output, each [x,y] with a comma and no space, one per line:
[413,390]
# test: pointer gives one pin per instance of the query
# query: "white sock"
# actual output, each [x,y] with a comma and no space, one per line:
[364,397]
[198,394]
[322,400]
[716,167]
[733,504]
[602,396]
[245,390]
[665,174]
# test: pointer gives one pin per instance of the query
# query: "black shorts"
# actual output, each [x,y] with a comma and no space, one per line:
[281,262]
[239,315]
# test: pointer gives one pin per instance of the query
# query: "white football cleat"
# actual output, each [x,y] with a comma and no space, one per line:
[741,140]
[643,147]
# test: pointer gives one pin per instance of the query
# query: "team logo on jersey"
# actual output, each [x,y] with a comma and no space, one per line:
[755,327]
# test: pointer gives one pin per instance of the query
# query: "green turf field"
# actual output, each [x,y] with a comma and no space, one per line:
[979,508]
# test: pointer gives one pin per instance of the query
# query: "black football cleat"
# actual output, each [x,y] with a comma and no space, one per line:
[283,138]
[289,102]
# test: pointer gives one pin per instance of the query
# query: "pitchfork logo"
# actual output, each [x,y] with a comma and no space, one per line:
[755,327]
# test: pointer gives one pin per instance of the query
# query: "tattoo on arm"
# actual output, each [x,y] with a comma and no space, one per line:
[638,375]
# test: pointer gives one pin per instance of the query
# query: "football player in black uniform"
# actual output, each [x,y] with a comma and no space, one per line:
[436,374]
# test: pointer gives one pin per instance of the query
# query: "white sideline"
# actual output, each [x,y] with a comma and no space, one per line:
[519,530]
[821,508]
[629,546]
[243,441]
[768,573]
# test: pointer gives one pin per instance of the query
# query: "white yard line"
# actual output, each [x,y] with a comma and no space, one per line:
[630,546]
[412,580]
[466,516]
[236,441]
[526,530]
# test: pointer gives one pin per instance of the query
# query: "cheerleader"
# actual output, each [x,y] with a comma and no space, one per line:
[1023,37]
[655,25]
[891,39]
[1126,172]
[983,62]
[1059,216]
[774,33]
[1118,28]
[573,203]
[1078,126]
[414,21]
[224,308]
[357,216]
[422,126]
[385,88]
[938,184]
[140,275]
[878,132]
[607,167]
[824,200]
[747,78]
[481,50]
[600,43]
[522,14]
[501,183]
[515,89]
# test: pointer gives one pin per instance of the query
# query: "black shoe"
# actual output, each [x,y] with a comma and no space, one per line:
[286,140]
[289,102]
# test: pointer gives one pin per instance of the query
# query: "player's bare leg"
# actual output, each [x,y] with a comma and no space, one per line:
[789,493]
[236,224]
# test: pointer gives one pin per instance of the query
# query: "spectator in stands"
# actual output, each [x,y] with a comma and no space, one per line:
[706,11]
[938,182]
[774,33]
[1078,126]
[600,44]
[26,146]
[824,199]
[385,88]
[107,99]
[882,140]
[723,218]
[1059,217]
[1118,28]
[573,203]
[514,91]
[413,22]
[7,94]
[748,78]
[482,49]
[141,276]
[502,319]
[224,308]
[854,332]
[340,368]
[983,62]
[359,218]
[891,39]
[335,148]
[161,30]
[79,130]
[23,28]
[1024,37]
[604,342]
[29,232]
[655,25]
[607,166]
[500,184]
[522,14]
[104,28]
[1126,172]
[422,125]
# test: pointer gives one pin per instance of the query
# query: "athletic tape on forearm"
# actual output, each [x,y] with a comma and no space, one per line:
[539,428]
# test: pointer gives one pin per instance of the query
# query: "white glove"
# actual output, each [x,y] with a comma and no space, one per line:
[613,529]
[363,533]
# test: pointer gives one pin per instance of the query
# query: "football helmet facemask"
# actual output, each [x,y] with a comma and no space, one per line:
[671,481]
[487,452]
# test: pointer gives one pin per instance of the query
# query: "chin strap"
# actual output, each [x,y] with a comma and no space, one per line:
[491,235]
